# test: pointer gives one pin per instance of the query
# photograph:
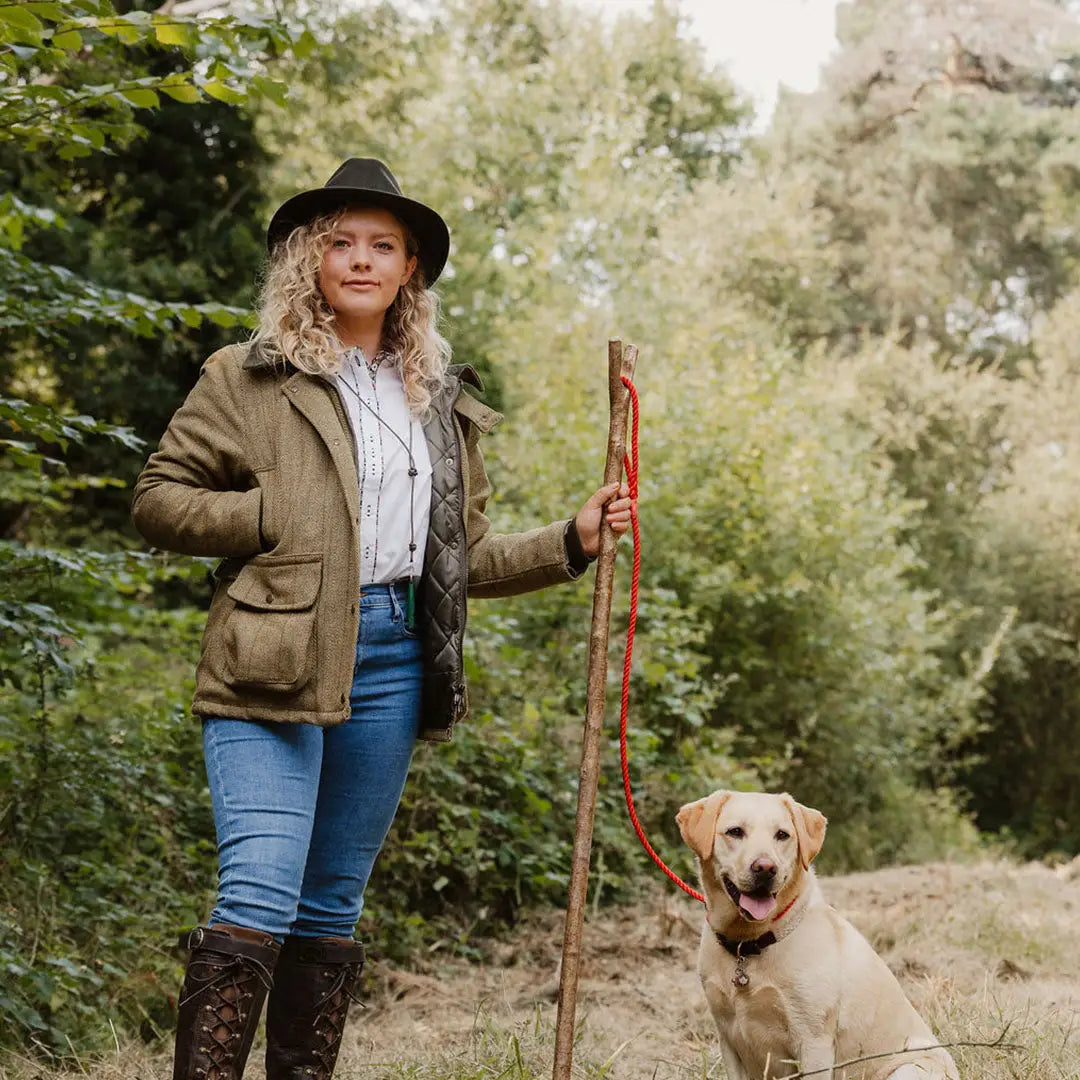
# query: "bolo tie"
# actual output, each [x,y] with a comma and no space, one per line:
[410,599]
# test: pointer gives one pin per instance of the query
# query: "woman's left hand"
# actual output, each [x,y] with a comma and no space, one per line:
[613,502]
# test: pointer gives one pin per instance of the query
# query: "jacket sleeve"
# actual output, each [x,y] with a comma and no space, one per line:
[505,564]
[197,494]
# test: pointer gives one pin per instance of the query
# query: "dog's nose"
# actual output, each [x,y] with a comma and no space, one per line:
[763,866]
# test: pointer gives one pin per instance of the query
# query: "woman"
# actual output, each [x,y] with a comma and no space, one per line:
[333,464]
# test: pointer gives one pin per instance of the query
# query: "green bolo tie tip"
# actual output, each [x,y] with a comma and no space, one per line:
[410,605]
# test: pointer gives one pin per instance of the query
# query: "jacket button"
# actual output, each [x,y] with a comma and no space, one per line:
[450,462]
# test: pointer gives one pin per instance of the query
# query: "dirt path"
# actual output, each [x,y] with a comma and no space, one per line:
[975,947]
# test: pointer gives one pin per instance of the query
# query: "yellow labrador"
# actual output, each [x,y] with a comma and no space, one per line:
[791,984]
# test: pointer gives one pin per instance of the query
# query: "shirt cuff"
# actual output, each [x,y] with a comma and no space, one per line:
[576,559]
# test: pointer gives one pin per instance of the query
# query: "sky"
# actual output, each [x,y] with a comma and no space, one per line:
[762,43]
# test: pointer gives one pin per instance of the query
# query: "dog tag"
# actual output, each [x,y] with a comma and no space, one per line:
[741,979]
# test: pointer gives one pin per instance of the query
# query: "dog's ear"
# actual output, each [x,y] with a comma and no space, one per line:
[697,822]
[809,829]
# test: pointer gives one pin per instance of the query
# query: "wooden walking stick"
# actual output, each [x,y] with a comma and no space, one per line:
[619,364]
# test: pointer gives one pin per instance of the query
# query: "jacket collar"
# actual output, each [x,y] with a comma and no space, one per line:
[467,374]
[258,359]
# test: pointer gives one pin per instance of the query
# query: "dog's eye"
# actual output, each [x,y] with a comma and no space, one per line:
[781,835]
[735,831]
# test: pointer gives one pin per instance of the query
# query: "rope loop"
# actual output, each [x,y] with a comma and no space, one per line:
[630,463]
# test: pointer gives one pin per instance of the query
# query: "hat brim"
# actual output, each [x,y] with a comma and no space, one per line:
[427,227]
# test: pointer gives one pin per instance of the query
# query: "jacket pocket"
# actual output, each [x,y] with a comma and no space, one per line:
[269,636]
[270,508]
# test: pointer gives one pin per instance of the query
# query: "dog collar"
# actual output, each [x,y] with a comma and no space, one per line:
[741,950]
[754,947]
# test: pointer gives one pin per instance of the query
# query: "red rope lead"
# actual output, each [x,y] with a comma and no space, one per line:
[631,466]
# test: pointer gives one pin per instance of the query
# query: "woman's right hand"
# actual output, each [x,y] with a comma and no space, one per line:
[611,503]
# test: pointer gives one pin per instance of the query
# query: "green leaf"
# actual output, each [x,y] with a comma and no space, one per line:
[93,135]
[306,45]
[174,33]
[71,40]
[217,89]
[271,88]
[184,92]
[18,24]
[47,10]
[222,317]
[120,29]
[141,99]
[18,15]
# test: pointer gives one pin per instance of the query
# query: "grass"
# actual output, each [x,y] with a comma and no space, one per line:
[980,950]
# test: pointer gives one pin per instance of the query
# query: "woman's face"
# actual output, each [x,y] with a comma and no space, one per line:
[364,266]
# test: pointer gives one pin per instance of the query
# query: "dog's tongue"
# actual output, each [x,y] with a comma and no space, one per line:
[757,908]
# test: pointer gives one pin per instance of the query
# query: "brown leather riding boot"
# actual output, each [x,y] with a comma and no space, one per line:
[316,979]
[230,969]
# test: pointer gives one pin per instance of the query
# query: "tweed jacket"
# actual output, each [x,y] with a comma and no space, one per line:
[258,468]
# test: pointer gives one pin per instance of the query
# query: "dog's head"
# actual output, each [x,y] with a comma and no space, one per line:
[752,845]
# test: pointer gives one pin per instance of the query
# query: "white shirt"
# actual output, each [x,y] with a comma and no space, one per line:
[382,466]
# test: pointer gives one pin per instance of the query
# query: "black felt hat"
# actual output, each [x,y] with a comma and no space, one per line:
[367,182]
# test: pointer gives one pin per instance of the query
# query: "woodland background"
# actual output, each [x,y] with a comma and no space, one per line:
[860,377]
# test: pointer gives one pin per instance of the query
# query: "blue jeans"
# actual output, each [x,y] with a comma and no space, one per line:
[301,811]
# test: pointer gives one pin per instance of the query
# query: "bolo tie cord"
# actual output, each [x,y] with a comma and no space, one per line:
[410,596]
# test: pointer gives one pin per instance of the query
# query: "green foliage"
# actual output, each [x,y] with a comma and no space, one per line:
[485,825]
[106,836]
[859,384]
[103,831]
[1024,553]
[106,251]
[944,203]
[44,299]
[227,57]
[528,125]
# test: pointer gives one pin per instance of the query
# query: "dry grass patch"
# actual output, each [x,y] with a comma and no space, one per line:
[978,949]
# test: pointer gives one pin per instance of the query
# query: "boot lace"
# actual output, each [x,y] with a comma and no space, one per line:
[227,990]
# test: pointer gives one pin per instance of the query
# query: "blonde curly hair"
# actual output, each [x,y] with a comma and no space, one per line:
[296,324]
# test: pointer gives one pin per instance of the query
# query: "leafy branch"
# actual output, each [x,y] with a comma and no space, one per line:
[42,297]
[226,58]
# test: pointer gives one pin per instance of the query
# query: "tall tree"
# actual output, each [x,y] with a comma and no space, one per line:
[937,158]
